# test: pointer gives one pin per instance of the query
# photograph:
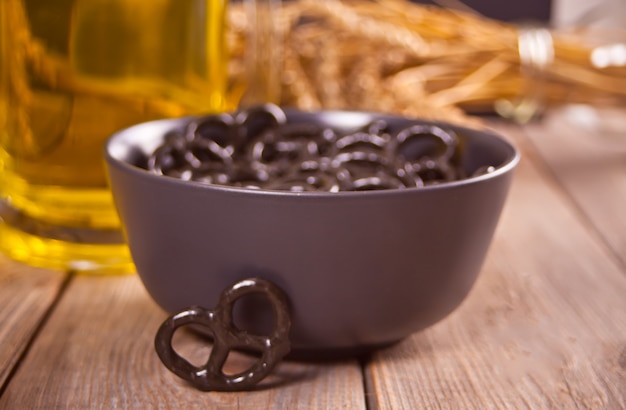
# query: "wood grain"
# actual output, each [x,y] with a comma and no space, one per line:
[591,165]
[26,294]
[544,327]
[97,351]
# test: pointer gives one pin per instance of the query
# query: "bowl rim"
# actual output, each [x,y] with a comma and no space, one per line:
[116,138]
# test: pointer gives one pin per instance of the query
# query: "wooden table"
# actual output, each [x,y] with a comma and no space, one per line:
[544,326]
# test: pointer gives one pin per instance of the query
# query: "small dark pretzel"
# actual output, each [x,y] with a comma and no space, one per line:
[227,337]
[258,148]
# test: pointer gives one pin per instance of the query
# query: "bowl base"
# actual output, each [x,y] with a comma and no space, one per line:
[336,354]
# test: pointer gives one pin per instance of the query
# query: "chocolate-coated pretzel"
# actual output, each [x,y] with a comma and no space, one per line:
[258,148]
[226,337]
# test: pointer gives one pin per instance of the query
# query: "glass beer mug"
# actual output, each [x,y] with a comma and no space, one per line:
[73,72]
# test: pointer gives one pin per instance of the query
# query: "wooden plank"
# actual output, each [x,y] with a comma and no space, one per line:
[26,294]
[97,351]
[591,165]
[544,327]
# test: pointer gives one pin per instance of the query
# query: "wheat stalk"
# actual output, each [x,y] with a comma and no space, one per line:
[397,56]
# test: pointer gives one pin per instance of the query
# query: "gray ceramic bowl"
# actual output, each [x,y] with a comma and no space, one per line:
[361,269]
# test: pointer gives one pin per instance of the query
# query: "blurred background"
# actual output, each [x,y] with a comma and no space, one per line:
[558,13]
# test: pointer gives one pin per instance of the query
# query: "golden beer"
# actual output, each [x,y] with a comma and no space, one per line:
[72,72]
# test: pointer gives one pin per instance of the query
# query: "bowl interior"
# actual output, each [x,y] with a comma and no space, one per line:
[478,148]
